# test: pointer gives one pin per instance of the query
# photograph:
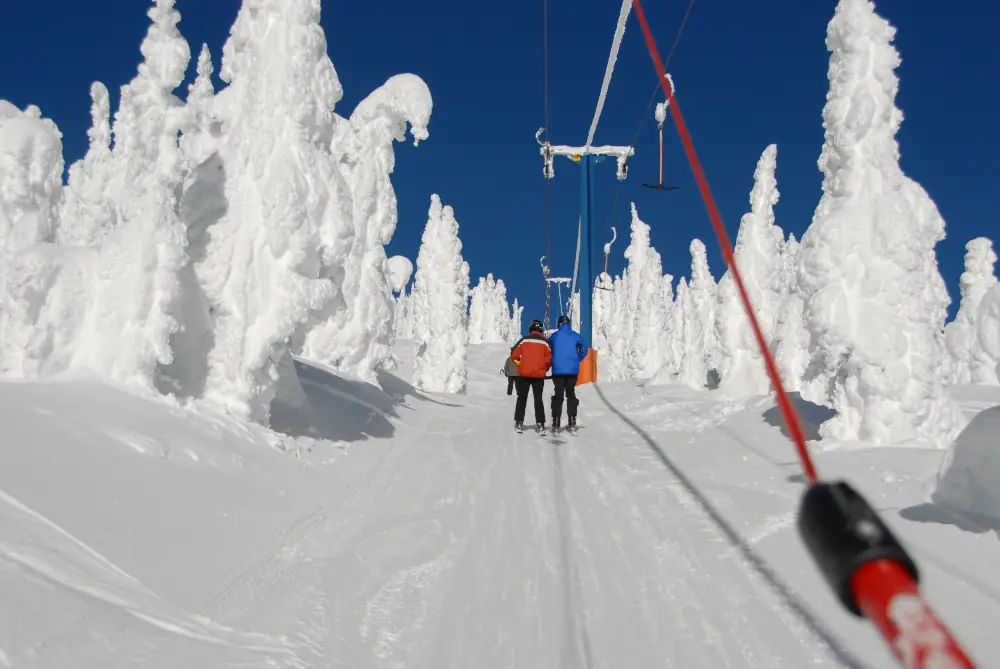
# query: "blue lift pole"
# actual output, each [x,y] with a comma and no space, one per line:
[586,156]
[586,252]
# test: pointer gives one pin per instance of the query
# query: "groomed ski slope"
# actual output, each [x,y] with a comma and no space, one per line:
[133,534]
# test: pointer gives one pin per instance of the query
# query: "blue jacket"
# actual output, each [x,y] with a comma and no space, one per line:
[568,351]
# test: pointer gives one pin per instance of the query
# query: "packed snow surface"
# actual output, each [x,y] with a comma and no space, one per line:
[398,528]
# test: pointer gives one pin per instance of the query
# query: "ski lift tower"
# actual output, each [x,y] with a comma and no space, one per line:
[586,156]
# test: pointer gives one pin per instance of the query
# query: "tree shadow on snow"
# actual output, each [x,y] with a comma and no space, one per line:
[745,550]
[932,512]
[315,402]
[812,416]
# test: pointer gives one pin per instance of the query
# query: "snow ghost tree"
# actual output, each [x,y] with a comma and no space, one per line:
[358,340]
[400,271]
[88,213]
[136,298]
[687,326]
[700,340]
[111,310]
[200,136]
[988,336]
[668,370]
[477,306]
[874,301]
[968,363]
[31,166]
[267,265]
[644,354]
[758,256]
[438,303]
[489,315]
[790,342]
[516,313]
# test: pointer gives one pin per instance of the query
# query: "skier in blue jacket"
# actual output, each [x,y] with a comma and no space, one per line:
[568,351]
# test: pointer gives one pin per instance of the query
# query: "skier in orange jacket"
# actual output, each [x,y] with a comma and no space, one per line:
[533,357]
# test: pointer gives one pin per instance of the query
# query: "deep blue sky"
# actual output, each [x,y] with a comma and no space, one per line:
[748,74]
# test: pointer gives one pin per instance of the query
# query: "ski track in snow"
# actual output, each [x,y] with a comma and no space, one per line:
[518,550]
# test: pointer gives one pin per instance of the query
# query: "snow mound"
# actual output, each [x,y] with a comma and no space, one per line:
[400,271]
[971,478]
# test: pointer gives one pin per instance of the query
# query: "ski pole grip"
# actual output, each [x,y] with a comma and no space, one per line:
[843,534]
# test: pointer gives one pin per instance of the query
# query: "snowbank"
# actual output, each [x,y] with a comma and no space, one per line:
[971,478]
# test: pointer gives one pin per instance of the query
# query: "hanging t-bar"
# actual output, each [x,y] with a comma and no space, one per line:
[574,153]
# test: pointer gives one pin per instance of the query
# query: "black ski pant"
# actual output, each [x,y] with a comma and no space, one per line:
[535,385]
[510,385]
[564,385]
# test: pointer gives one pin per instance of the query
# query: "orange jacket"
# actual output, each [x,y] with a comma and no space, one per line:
[533,356]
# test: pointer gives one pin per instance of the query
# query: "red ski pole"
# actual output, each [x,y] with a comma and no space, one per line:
[861,560]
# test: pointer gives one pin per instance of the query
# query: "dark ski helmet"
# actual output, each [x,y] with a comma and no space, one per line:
[563,319]
[536,326]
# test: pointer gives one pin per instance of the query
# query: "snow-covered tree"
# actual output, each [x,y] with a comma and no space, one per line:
[477,307]
[135,300]
[359,341]
[988,331]
[438,302]
[269,266]
[790,342]
[644,354]
[489,314]
[875,303]
[601,314]
[400,272]
[675,334]
[200,134]
[31,166]
[516,313]
[759,245]
[689,339]
[700,339]
[88,213]
[968,364]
